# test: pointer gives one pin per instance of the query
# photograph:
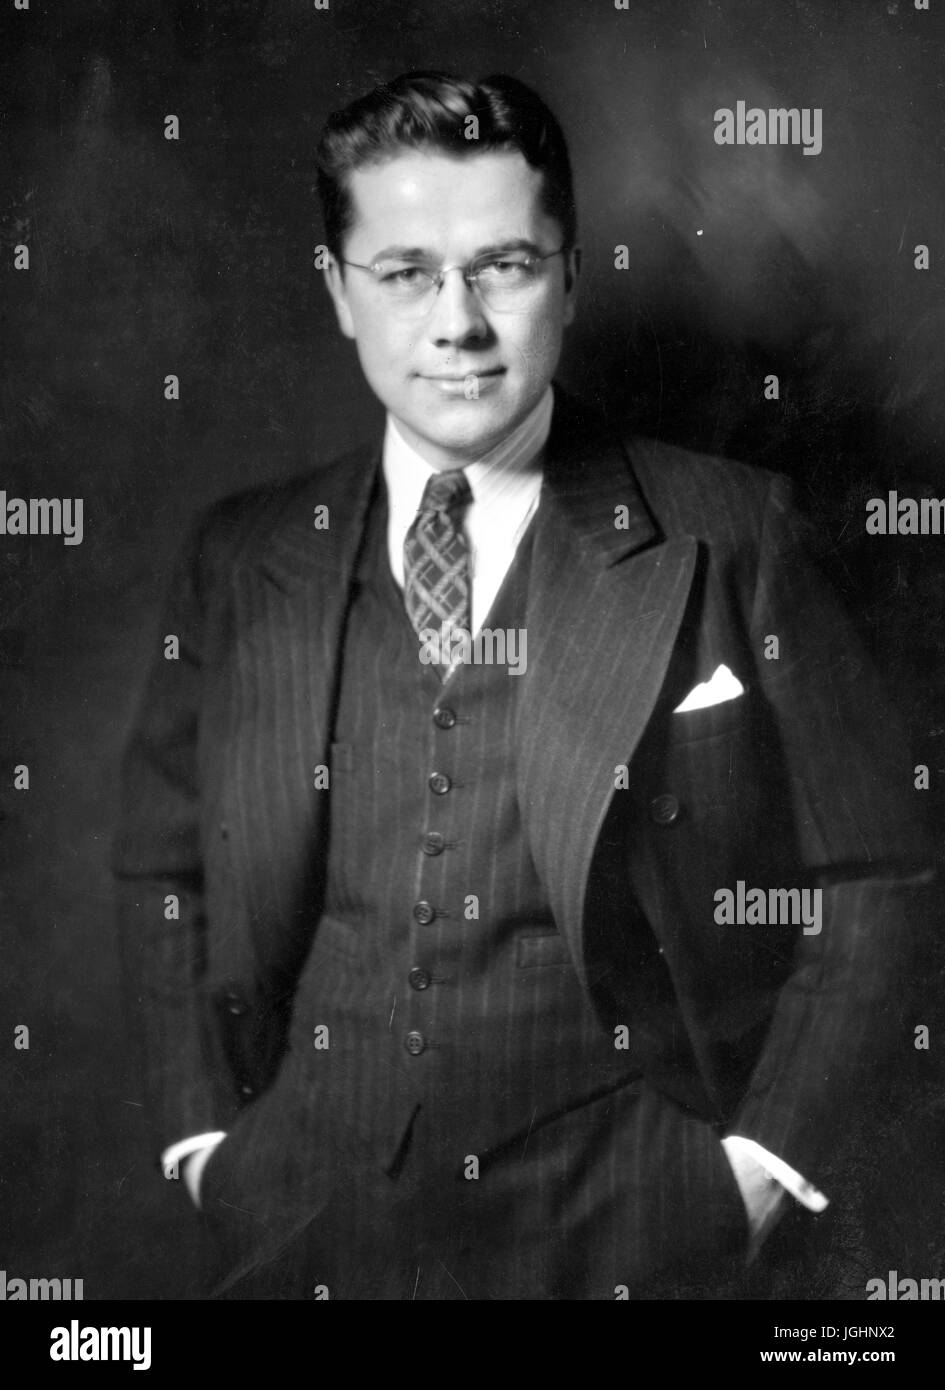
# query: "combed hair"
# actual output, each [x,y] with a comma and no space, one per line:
[429,111]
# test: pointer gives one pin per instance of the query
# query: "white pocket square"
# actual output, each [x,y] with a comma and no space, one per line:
[722,685]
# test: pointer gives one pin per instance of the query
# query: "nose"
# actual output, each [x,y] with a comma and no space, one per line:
[456,316]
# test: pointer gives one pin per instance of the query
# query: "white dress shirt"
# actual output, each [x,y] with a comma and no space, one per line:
[506,486]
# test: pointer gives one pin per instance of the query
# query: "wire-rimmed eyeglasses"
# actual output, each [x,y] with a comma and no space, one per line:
[507,281]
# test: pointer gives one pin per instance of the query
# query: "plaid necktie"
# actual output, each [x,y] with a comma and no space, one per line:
[436,557]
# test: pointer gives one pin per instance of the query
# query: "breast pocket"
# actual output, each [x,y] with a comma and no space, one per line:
[714,721]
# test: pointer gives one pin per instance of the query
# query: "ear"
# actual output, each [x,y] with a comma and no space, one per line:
[335,281]
[572,270]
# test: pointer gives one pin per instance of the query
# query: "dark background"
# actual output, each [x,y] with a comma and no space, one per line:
[150,257]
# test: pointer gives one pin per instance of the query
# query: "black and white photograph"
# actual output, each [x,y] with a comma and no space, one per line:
[472,662]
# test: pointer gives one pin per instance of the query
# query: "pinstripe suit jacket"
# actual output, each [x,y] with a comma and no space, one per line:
[651,567]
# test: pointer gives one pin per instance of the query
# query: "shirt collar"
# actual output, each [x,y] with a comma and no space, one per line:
[510,461]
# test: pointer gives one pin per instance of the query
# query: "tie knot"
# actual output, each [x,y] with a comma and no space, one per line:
[447,490]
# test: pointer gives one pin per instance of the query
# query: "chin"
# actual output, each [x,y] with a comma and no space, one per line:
[471,442]
[469,425]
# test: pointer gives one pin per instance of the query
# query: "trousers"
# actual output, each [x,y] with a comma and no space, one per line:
[625,1196]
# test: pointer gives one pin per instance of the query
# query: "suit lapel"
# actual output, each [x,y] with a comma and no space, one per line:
[292,594]
[292,552]
[604,608]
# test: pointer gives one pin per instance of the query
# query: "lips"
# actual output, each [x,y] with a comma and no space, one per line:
[460,376]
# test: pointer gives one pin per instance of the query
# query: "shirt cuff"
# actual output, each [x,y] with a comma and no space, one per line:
[792,1181]
[198,1148]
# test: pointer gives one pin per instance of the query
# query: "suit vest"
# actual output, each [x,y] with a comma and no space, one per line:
[437,970]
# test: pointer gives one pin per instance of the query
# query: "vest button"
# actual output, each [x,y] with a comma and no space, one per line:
[444,717]
[419,979]
[424,913]
[247,1090]
[415,1043]
[664,810]
[433,842]
[439,783]
[234,1003]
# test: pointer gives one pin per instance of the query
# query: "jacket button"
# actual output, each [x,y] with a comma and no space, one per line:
[433,842]
[415,1043]
[664,810]
[419,978]
[444,717]
[439,783]
[247,1090]
[424,913]
[224,831]
[234,1004]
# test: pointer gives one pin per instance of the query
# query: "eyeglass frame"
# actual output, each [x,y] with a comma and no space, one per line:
[437,280]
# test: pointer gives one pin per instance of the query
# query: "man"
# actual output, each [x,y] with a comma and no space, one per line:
[556,964]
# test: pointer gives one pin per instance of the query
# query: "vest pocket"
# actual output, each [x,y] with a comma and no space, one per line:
[545,948]
[338,937]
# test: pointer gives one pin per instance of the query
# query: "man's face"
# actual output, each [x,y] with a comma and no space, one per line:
[460,377]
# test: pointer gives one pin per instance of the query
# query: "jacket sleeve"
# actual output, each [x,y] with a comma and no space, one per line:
[158,864]
[843,1019]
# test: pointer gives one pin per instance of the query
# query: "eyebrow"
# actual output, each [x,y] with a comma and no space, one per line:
[420,253]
